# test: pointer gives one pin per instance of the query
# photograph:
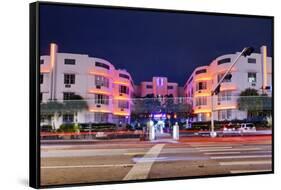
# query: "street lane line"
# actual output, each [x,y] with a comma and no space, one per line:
[230,149]
[218,153]
[240,156]
[87,166]
[213,147]
[260,162]
[247,171]
[142,169]
[134,153]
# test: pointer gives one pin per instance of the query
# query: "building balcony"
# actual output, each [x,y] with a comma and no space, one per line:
[222,105]
[100,90]
[121,96]
[202,77]
[205,92]
[202,109]
[228,86]
[100,108]
[124,82]
[101,72]
[121,111]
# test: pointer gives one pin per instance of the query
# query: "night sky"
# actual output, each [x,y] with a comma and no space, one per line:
[147,43]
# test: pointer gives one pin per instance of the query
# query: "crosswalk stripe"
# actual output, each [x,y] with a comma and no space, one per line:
[218,153]
[142,169]
[259,162]
[240,156]
[87,166]
[229,149]
[214,147]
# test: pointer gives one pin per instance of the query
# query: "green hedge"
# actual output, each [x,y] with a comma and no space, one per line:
[46,128]
[98,127]
[69,128]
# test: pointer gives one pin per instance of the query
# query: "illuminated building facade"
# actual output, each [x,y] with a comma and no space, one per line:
[106,90]
[159,87]
[254,71]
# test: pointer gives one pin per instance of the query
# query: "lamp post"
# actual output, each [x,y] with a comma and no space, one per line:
[245,52]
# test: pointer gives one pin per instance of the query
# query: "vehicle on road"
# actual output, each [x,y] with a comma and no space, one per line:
[247,127]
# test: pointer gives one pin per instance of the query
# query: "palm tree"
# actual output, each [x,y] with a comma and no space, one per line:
[250,101]
[52,109]
[75,104]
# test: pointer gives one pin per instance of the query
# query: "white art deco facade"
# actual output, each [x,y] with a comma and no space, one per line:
[254,71]
[106,89]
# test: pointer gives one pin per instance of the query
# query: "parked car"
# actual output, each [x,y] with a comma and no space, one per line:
[247,127]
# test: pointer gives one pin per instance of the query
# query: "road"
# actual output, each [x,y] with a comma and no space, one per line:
[163,158]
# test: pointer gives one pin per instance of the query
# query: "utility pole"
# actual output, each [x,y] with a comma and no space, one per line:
[245,52]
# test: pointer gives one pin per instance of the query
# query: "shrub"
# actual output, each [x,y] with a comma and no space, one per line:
[46,128]
[69,128]
[98,127]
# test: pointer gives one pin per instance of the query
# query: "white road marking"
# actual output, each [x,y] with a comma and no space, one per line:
[142,169]
[87,166]
[230,149]
[134,153]
[259,162]
[213,147]
[240,156]
[218,153]
[247,171]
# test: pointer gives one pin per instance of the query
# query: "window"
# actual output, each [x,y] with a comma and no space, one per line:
[201,101]
[201,71]
[101,117]
[101,99]
[123,89]
[225,79]
[68,95]
[170,87]
[222,61]
[252,77]
[124,76]
[68,118]
[252,60]
[149,86]
[41,61]
[69,78]
[101,81]
[224,114]
[103,65]
[123,104]
[41,78]
[224,96]
[69,61]
[201,86]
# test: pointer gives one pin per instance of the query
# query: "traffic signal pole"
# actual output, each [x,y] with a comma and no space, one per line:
[245,52]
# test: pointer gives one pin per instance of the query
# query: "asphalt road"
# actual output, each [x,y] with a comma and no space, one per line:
[117,161]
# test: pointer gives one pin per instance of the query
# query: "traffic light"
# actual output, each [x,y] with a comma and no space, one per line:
[217,90]
[248,51]
[228,77]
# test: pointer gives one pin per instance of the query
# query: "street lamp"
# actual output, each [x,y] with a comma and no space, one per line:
[227,75]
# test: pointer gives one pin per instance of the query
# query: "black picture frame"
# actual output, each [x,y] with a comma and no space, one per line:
[34,103]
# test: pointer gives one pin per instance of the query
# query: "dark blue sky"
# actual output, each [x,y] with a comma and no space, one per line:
[147,43]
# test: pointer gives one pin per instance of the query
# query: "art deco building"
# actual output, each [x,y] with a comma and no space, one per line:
[254,71]
[106,89]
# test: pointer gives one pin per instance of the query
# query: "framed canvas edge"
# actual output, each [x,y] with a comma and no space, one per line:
[34,90]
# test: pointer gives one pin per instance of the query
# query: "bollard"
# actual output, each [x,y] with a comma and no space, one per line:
[151,130]
[176,131]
